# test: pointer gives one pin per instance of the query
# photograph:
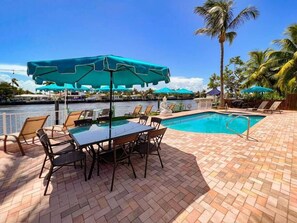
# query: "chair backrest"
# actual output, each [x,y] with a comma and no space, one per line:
[275,105]
[83,122]
[263,105]
[126,143]
[69,122]
[148,109]
[104,112]
[143,119]
[30,126]
[155,136]
[171,107]
[46,145]
[137,110]
[86,114]
[155,122]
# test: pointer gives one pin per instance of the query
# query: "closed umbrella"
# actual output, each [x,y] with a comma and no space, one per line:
[257,89]
[97,71]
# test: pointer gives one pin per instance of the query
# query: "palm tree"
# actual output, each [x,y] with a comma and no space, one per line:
[260,69]
[14,82]
[220,22]
[286,58]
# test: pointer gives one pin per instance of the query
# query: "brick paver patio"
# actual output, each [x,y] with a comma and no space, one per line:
[206,178]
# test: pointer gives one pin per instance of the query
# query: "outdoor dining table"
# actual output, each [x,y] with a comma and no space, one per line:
[87,136]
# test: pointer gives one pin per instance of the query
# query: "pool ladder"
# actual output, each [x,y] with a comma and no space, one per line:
[248,126]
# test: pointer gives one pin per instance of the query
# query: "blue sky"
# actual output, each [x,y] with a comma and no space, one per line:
[157,31]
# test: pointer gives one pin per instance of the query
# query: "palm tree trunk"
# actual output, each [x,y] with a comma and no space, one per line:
[222,75]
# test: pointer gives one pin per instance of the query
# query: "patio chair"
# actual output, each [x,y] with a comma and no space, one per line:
[69,123]
[122,148]
[136,111]
[104,115]
[86,114]
[83,122]
[151,146]
[260,108]
[143,119]
[28,131]
[57,148]
[155,122]
[171,107]
[61,160]
[147,110]
[274,107]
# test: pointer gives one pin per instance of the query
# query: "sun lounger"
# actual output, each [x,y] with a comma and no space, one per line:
[274,107]
[69,123]
[260,108]
[136,111]
[147,110]
[28,131]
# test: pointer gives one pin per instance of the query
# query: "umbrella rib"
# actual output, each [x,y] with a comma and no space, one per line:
[85,74]
[47,72]
[128,68]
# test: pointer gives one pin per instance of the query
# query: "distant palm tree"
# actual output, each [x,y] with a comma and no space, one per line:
[286,59]
[259,69]
[14,82]
[220,22]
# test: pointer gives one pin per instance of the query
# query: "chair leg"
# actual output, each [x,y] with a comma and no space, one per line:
[48,179]
[97,159]
[160,159]
[45,158]
[20,146]
[132,166]
[113,173]
[5,140]
[146,158]
[85,168]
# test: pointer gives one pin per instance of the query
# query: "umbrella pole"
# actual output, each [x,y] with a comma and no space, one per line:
[110,99]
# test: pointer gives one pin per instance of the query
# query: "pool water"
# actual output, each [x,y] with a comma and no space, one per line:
[211,122]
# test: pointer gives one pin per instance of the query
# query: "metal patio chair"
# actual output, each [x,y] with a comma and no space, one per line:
[28,131]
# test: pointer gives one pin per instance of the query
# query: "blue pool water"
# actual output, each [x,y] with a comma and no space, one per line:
[211,122]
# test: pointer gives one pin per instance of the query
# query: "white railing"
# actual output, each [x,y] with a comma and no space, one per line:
[13,122]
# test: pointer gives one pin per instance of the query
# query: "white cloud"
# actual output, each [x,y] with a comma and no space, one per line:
[18,69]
[24,84]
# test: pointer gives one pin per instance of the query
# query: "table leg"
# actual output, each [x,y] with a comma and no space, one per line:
[93,161]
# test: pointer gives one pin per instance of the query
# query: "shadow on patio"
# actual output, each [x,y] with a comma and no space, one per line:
[163,196]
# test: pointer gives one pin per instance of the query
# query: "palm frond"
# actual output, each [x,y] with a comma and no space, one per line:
[230,36]
[291,32]
[246,14]
[286,45]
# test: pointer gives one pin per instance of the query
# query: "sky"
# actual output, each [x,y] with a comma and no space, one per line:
[156,31]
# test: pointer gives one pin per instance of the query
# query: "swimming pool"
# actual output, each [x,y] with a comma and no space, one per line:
[211,122]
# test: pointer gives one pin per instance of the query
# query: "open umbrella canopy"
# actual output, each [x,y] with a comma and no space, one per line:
[55,87]
[164,90]
[97,71]
[119,88]
[256,89]
[214,91]
[183,91]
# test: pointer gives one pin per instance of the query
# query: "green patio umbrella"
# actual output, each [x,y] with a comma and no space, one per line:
[119,88]
[257,89]
[97,71]
[164,90]
[183,91]
[65,87]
